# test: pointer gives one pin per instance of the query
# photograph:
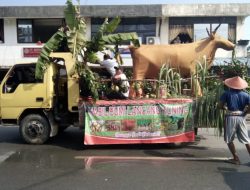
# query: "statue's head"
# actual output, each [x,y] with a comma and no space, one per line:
[220,41]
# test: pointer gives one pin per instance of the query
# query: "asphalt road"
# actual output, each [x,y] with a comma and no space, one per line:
[65,163]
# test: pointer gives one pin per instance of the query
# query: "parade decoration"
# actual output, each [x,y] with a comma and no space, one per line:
[148,59]
[140,121]
[72,36]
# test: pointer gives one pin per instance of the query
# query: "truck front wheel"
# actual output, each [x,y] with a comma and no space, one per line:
[34,129]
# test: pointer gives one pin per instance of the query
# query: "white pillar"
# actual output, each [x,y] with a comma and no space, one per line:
[10,31]
[241,51]
[164,30]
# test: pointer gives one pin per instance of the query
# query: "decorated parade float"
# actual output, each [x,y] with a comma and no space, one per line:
[168,85]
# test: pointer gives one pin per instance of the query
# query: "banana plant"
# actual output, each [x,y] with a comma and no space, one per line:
[106,37]
[100,42]
[74,33]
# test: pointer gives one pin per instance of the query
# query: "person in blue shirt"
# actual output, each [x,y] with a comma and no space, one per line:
[236,102]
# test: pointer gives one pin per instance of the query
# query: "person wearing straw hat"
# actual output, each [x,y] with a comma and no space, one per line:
[237,103]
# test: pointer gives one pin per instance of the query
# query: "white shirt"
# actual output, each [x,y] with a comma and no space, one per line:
[109,64]
[124,83]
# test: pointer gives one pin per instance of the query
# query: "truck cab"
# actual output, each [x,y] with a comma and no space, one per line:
[41,107]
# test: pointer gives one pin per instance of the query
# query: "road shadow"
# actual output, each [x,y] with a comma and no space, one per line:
[70,138]
[181,146]
[175,146]
[73,138]
[10,134]
[235,178]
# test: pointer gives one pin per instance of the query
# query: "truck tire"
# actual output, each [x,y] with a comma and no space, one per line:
[34,129]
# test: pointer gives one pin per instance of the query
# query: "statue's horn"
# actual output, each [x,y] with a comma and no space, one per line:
[216,28]
[208,32]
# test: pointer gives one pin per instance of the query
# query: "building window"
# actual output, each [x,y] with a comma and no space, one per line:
[180,34]
[1,31]
[34,30]
[195,28]
[143,26]
[24,31]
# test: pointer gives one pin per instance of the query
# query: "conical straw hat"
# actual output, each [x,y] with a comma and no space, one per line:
[236,83]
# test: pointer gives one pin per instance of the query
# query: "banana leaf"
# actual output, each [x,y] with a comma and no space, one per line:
[91,57]
[76,38]
[112,26]
[120,37]
[70,13]
[103,38]
[108,27]
[97,43]
[51,45]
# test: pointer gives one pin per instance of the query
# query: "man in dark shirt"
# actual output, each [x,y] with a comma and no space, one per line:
[237,103]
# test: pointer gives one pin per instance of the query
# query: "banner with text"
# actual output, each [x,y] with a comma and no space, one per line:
[150,122]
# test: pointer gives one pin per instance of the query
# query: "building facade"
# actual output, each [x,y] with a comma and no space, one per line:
[23,30]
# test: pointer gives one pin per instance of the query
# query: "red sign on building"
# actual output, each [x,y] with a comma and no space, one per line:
[31,52]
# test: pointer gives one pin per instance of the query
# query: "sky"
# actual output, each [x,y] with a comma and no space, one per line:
[125,2]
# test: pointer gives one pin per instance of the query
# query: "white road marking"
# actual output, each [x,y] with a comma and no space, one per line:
[92,160]
[151,158]
[5,156]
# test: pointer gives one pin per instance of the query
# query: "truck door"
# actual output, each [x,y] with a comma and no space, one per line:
[20,90]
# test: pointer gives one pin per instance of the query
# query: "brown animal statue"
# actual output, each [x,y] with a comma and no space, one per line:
[148,59]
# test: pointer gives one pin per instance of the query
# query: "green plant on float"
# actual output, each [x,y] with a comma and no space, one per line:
[235,68]
[206,111]
[215,86]
[89,83]
[105,36]
[128,72]
[148,87]
[75,35]
[170,80]
[52,44]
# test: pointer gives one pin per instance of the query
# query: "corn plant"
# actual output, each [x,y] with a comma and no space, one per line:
[206,111]
[170,80]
